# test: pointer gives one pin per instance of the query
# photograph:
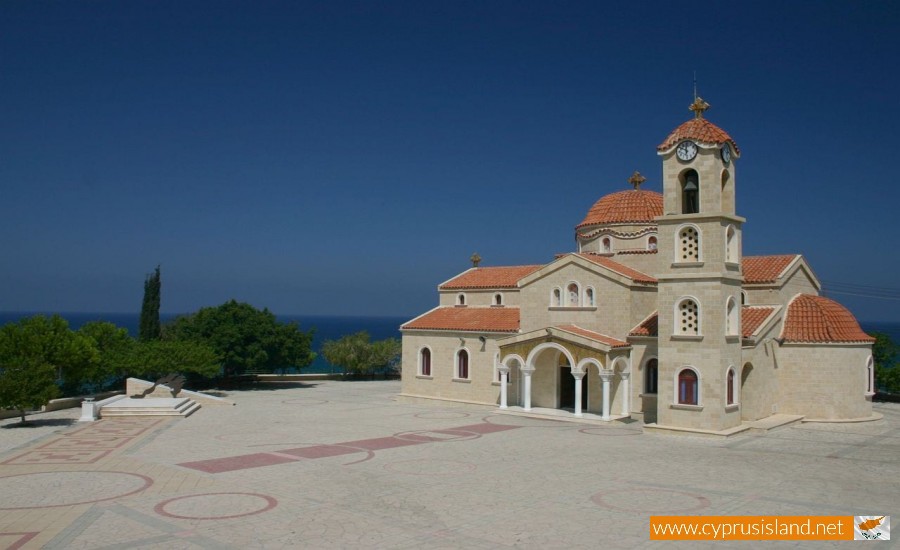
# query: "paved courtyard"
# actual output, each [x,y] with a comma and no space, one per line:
[349,465]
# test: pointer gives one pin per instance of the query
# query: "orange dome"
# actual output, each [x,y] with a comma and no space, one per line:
[818,319]
[701,131]
[632,206]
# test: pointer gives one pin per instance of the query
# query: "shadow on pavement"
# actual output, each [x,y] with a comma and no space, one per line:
[39,423]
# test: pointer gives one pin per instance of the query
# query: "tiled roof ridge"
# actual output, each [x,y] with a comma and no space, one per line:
[766,268]
[593,335]
[701,131]
[467,319]
[817,319]
[649,326]
[617,267]
[501,276]
[753,317]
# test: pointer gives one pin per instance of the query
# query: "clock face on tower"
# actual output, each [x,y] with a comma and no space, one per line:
[726,154]
[686,150]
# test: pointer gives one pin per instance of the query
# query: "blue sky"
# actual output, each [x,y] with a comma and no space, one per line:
[345,157]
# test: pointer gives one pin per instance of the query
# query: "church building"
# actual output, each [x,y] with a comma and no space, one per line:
[656,316]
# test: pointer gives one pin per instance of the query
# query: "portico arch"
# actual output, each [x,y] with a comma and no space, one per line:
[587,362]
[545,346]
[540,375]
[511,380]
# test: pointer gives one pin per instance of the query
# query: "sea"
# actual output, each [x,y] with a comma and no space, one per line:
[326,328]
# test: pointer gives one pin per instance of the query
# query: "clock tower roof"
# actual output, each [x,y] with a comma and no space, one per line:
[700,130]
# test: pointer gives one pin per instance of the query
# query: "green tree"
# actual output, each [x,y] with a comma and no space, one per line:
[27,384]
[152,360]
[121,356]
[884,353]
[244,337]
[115,354]
[37,353]
[358,355]
[150,326]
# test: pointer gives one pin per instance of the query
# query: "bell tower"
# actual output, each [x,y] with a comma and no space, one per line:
[699,345]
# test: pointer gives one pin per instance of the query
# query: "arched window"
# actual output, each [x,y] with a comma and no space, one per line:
[687,318]
[651,242]
[731,317]
[607,245]
[498,299]
[462,364]
[689,244]
[688,388]
[425,362]
[731,252]
[460,299]
[589,297]
[870,376]
[572,295]
[727,192]
[743,297]
[556,297]
[651,376]
[690,193]
[729,387]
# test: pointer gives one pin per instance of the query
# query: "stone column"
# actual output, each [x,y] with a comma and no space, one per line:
[504,383]
[577,376]
[527,372]
[605,376]
[626,394]
[88,411]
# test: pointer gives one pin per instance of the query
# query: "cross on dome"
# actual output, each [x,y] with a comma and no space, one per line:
[636,180]
[699,107]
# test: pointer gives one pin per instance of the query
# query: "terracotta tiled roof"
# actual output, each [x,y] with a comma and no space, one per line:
[765,269]
[631,206]
[490,277]
[596,336]
[621,269]
[752,317]
[647,327]
[816,319]
[701,131]
[479,319]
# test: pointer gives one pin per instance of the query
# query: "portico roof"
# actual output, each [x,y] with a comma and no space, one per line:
[570,334]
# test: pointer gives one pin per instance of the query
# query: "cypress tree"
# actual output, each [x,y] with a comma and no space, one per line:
[150,328]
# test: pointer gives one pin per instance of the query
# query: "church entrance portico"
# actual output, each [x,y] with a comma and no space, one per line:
[556,372]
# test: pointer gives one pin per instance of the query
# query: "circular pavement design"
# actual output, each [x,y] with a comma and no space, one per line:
[215,506]
[442,436]
[52,489]
[650,501]
[430,467]
[526,421]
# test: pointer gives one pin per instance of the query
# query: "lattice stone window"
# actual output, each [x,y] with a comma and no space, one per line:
[690,244]
[689,322]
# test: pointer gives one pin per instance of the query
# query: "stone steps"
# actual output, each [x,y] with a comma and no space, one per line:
[150,407]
